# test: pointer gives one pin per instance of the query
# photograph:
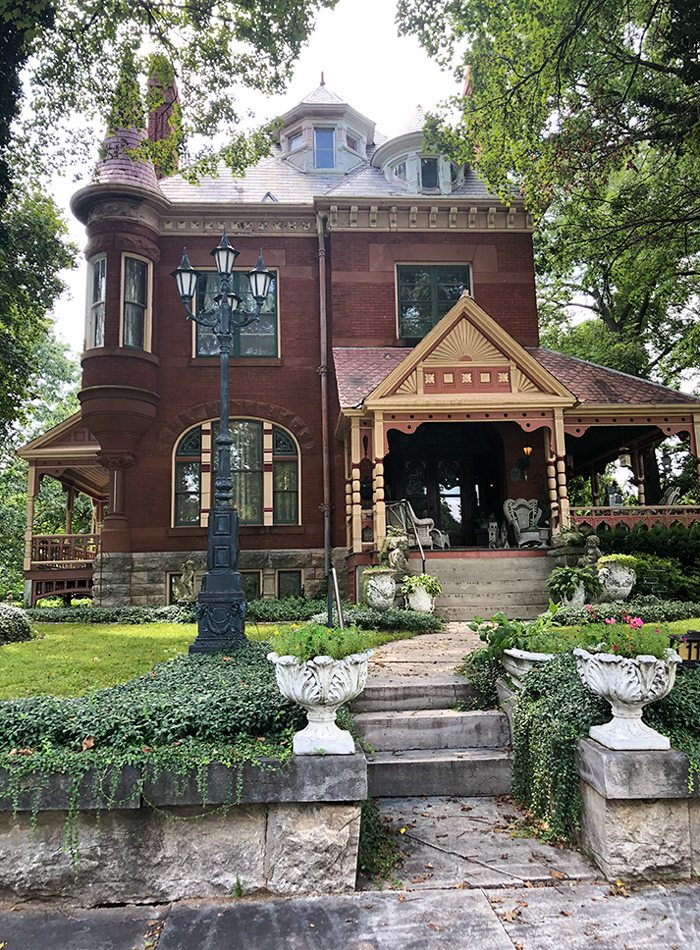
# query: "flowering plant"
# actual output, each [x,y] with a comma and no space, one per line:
[305,641]
[632,638]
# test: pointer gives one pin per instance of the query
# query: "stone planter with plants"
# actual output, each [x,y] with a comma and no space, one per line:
[379,587]
[617,575]
[420,591]
[574,586]
[320,669]
[630,668]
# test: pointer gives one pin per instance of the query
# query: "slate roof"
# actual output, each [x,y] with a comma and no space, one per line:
[359,370]
[595,384]
[116,166]
[323,95]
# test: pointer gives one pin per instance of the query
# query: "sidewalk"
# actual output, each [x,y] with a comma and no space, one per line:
[429,654]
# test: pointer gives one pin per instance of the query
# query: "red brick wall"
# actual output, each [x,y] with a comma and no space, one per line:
[363,280]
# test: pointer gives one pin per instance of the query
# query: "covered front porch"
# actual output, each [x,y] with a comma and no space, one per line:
[60,564]
[468,421]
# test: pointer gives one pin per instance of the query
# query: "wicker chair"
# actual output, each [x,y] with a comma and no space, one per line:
[523,514]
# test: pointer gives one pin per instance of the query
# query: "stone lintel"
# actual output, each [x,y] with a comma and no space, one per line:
[633,775]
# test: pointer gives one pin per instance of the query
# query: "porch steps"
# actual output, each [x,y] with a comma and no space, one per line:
[480,586]
[422,745]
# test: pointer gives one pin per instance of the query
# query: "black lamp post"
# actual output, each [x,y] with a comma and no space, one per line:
[221,603]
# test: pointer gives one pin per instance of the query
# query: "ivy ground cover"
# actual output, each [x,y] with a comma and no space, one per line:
[72,659]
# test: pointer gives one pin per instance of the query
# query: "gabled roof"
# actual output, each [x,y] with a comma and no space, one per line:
[322,94]
[468,358]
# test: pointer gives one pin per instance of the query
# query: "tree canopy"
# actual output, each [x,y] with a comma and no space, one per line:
[75,51]
[591,108]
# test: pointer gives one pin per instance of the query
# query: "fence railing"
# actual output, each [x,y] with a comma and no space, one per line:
[631,515]
[63,550]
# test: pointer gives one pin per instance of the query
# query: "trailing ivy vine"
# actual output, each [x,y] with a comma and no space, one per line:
[554,712]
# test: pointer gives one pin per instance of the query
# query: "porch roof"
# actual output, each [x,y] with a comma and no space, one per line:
[360,369]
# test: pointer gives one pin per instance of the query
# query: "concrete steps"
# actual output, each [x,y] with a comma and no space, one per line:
[420,744]
[480,586]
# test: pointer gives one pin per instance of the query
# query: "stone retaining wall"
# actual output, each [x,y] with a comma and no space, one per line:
[639,820]
[295,830]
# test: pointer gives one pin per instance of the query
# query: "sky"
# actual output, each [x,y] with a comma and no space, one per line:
[363,60]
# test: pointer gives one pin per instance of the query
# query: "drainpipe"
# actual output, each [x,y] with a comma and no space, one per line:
[325,441]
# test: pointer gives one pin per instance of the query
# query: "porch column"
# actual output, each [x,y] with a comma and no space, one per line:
[355,456]
[560,452]
[70,505]
[378,480]
[638,463]
[551,483]
[115,529]
[32,488]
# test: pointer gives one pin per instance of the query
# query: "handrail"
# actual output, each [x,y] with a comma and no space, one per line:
[595,515]
[409,511]
[66,550]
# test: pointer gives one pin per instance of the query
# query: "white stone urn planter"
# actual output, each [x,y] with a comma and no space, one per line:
[629,684]
[617,581]
[577,599]
[380,588]
[320,686]
[517,663]
[421,601]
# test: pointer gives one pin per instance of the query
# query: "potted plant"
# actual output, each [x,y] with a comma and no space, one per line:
[420,591]
[379,586]
[574,586]
[320,668]
[631,667]
[617,573]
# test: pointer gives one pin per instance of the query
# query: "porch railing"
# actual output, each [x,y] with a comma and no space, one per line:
[632,515]
[52,551]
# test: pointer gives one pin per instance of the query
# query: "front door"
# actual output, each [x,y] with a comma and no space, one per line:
[451,473]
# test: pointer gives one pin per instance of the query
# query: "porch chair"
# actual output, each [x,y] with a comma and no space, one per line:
[400,514]
[524,514]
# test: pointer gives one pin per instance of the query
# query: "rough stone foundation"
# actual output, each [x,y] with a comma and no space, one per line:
[141,579]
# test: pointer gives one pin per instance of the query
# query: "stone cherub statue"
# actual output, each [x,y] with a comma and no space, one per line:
[184,586]
[394,551]
[591,552]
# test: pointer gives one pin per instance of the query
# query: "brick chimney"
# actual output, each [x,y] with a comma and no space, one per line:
[160,125]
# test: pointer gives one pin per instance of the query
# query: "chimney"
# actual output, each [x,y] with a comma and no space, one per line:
[160,118]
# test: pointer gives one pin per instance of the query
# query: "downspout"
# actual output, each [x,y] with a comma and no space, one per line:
[323,374]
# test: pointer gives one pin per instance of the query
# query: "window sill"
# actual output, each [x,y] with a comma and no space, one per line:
[237,361]
[250,530]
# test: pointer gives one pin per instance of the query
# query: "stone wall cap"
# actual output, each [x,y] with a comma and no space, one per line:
[634,775]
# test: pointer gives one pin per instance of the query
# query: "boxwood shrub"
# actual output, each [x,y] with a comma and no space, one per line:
[14,624]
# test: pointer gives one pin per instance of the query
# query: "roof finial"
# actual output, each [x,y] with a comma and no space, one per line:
[323,81]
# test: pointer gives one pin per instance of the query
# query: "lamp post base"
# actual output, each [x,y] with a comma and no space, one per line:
[220,617]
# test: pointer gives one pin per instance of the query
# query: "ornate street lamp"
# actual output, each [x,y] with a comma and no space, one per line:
[221,603]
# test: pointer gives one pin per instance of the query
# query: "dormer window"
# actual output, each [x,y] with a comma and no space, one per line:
[296,141]
[353,142]
[400,171]
[429,174]
[324,148]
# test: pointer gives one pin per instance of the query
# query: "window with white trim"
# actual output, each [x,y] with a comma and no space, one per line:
[135,289]
[97,283]
[264,471]
[324,148]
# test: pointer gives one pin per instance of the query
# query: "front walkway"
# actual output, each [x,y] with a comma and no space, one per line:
[427,655]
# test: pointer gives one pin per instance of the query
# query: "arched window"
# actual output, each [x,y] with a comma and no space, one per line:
[264,471]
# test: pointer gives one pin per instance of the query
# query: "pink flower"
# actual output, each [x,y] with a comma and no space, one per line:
[635,622]
[609,620]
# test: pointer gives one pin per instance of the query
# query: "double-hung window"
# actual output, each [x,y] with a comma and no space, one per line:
[257,339]
[425,293]
[324,148]
[135,304]
[95,335]
[188,478]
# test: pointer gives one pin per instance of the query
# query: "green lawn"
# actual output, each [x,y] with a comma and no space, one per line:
[69,659]
[673,626]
